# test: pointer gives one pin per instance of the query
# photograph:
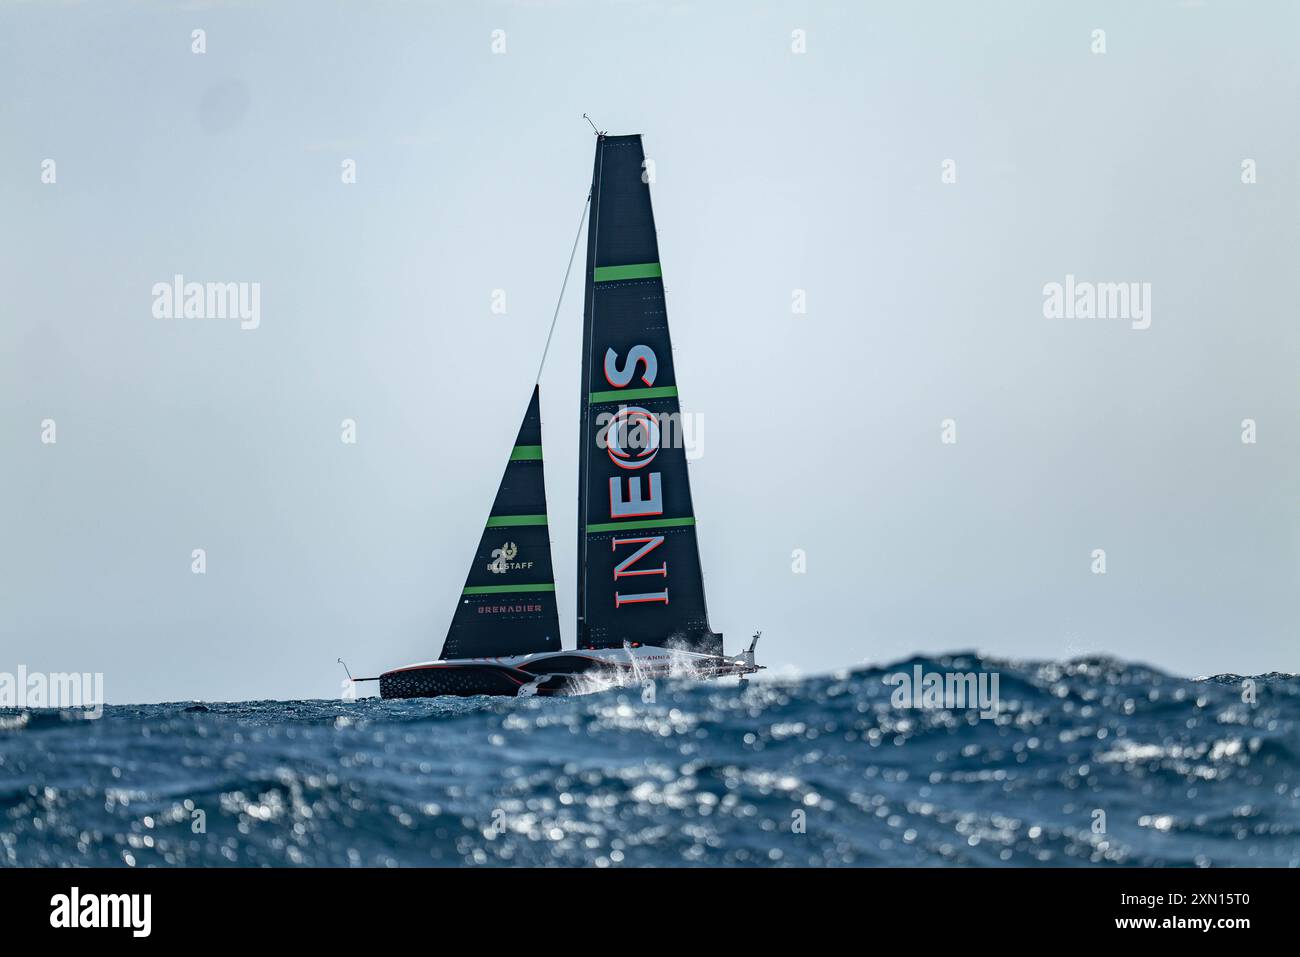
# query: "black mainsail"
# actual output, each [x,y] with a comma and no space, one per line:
[639,577]
[508,604]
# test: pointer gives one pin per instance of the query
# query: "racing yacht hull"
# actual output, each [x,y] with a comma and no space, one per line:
[555,672]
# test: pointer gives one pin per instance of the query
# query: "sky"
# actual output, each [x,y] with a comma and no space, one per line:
[915,174]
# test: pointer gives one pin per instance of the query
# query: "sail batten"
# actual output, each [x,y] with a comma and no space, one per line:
[630,271]
[624,395]
[639,576]
[507,521]
[507,606]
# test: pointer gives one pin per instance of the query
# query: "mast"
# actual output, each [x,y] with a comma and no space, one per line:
[639,576]
[584,407]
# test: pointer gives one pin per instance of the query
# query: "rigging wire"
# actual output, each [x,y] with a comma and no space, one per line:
[567,269]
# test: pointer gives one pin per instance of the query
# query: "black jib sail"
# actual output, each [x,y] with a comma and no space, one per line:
[508,605]
[639,577]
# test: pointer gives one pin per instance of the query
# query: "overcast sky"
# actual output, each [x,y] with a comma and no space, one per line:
[776,171]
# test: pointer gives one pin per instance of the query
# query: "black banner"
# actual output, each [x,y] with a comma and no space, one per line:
[926,908]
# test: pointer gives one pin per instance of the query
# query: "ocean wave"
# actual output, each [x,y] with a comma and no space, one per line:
[1092,761]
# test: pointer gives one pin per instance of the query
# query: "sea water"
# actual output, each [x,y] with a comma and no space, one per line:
[1091,762]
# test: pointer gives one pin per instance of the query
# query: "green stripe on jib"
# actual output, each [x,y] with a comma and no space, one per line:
[506,589]
[618,395]
[634,271]
[526,453]
[648,523]
[508,521]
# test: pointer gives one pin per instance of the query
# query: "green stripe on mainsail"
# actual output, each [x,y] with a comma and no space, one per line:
[505,589]
[618,395]
[648,523]
[526,453]
[506,521]
[634,271]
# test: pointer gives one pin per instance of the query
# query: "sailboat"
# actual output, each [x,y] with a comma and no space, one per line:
[641,612]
